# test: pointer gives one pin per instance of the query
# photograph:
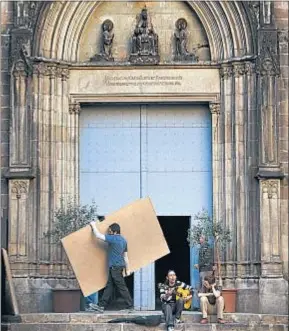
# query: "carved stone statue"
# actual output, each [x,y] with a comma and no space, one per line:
[144,42]
[181,40]
[106,43]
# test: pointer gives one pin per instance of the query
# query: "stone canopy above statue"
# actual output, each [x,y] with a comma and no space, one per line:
[144,43]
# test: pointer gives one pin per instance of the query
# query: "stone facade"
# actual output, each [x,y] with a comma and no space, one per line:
[45,44]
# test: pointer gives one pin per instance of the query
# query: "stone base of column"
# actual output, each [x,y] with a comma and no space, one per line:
[35,295]
[247,295]
[273,296]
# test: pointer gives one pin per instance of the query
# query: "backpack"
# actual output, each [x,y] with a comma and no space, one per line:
[150,320]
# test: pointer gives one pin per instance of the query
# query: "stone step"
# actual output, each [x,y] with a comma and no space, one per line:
[187,317]
[132,327]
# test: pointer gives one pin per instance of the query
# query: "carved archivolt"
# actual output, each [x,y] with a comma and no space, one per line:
[19,187]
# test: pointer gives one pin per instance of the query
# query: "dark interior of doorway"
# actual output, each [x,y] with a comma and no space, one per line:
[175,229]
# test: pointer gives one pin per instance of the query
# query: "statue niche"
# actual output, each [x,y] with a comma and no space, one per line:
[144,42]
[181,41]
[106,43]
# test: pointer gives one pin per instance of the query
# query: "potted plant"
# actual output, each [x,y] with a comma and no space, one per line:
[69,217]
[221,237]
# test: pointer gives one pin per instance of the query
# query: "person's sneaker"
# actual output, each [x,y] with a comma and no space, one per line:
[96,307]
[221,321]
[204,321]
[171,328]
[89,309]
[179,321]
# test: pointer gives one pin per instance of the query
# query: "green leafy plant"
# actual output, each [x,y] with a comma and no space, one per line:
[210,228]
[70,217]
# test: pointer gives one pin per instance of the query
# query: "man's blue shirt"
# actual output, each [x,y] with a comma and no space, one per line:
[117,245]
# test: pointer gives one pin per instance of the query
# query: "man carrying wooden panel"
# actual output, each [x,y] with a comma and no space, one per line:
[117,262]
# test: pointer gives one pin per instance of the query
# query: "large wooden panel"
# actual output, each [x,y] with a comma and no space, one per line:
[146,243]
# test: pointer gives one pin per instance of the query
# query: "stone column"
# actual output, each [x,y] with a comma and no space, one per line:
[18,220]
[239,148]
[20,172]
[252,189]
[270,228]
[73,141]
[45,175]
[226,133]
[273,296]
[216,160]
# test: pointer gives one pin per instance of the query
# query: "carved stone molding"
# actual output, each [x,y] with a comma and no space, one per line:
[19,187]
[26,13]
[52,71]
[266,13]
[238,69]
[226,71]
[74,107]
[270,187]
[283,36]
[268,57]
[254,8]
[40,69]
[65,73]
[215,108]
[21,50]
[250,68]
[19,69]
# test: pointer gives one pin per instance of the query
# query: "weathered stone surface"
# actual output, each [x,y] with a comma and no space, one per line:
[54,133]
[187,317]
[131,327]
[185,81]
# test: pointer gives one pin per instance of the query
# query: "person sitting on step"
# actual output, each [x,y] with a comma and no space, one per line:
[171,307]
[211,300]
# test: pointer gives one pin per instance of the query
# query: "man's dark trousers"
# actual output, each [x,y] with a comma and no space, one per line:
[115,278]
[172,310]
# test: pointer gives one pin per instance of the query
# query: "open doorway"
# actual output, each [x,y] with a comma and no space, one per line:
[175,229]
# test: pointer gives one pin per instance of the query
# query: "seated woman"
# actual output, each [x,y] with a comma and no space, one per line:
[171,306]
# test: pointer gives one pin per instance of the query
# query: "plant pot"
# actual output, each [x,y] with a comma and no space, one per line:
[66,300]
[230,296]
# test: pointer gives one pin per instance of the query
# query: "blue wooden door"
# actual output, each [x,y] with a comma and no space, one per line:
[162,151]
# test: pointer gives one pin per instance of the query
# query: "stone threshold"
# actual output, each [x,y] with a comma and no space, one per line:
[133,327]
[188,317]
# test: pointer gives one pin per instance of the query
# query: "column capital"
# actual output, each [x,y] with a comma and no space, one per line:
[270,187]
[19,187]
[74,107]
[215,107]
[226,71]
[250,68]
[238,69]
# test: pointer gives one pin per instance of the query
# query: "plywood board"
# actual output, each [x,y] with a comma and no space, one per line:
[10,281]
[88,255]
